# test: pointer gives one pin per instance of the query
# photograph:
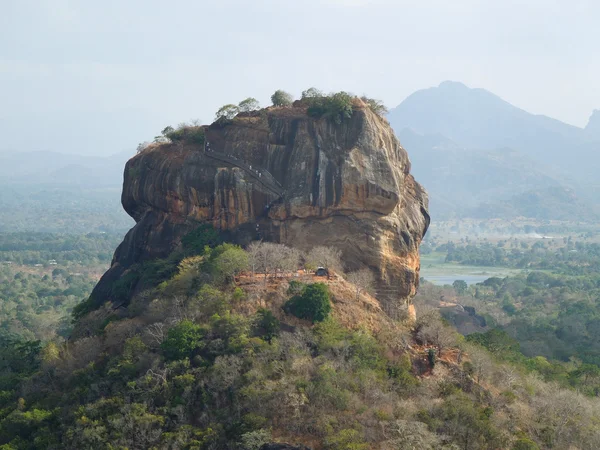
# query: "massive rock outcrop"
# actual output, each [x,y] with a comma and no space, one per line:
[280,175]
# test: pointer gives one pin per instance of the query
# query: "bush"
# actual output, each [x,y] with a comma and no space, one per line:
[311,93]
[250,104]
[193,135]
[376,106]
[431,357]
[227,112]
[525,444]
[123,287]
[281,98]
[335,107]
[183,340]
[266,325]
[295,287]
[229,261]
[313,304]
[185,132]
[195,241]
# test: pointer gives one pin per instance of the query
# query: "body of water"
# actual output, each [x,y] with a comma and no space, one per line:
[449,279]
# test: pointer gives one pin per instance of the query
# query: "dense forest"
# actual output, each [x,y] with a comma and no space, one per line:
[211,355]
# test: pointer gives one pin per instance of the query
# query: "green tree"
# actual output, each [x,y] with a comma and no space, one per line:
[183,340]
[167,130]
[335,107]
[266,325]
[460,286]
[230,263]
[250,104]
[227,112]
[313,304]
[525,444]
[311,93]
[281,98]
[376,106]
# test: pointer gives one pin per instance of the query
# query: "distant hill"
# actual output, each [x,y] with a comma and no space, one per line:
[593,127]
[470,148]
[47,191]
[60,169]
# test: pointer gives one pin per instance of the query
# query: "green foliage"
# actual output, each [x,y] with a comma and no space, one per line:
[525,444]
[227,112]
[346,439]
[312,304]
[187,133]
[123,287]
[22,424]
[376,106]
[460,286]
[227,261]
[335,107]
[49,276]
[197,240]
[431,358]
[266,325]
[254,440]
[281,98]
[183,340]
[249,104]
[468,424]
[295,287]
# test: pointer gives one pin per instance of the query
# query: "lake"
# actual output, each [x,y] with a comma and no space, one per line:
[435,270]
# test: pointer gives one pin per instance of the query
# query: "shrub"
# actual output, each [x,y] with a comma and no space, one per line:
[281,98]
[266,325]
[295,287]
[313,304]
[347,439]
[191,134]
[183,340]
[376,106]
[431,357]
[250,104]
[156,271]
[525,444]
[335,107]
[311,93]
[229,262]
[195,241]
[227,112]
[122,288]
[254,440]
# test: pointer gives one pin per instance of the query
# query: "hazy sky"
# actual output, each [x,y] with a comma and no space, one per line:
[97,77]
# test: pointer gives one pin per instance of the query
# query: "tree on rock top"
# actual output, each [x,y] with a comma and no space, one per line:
[250,104]
[281,98]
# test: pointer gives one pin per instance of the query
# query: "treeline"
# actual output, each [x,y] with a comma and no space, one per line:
[197,362]
[544,322]
[39,248]
[565,256]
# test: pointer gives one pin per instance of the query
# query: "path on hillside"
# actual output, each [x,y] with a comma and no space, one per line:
[261,175]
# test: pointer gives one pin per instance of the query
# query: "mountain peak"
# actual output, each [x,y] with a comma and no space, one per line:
[449,84]
[593,127]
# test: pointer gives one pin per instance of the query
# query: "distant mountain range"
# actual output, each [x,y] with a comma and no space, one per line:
[56,192]
[480,156]
[61,169]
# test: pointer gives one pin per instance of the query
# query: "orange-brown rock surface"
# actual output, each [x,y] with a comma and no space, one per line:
[280,175]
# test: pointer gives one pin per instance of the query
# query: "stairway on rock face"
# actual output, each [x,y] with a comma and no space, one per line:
[262,175]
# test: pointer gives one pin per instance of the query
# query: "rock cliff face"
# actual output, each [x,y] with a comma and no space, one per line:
[279,175]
